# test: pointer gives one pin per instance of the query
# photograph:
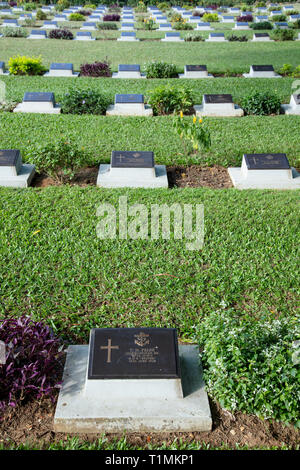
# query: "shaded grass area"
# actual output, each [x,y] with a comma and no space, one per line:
[236,57]
[54,267]
[99,135]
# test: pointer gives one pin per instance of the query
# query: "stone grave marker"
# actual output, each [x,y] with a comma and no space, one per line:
[13,173]
[38,102]
[218,105]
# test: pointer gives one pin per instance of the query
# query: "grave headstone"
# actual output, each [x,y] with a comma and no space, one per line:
[50,25]
[61,70]
[138,379]
[38,102]
[129,105]
[218,105]
[172,37]
[13,173]
[84,36]
[261,37]
[128,36]
[37,34]
[128,71]
[203,26]
[261,71]
[3,71]
[294,106]
[265,171]
[195,71]
[89,26]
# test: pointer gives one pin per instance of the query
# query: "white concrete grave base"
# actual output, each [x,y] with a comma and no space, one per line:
[219,110]
[195,75]
[37,107]
[128,75]
[61,73]
[264,179]
[127,38]
[81,411]
[129,109]
[132,177]
[174,39]
[292,108]
[21,180]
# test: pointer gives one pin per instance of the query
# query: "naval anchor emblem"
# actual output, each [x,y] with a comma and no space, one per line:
[142,339]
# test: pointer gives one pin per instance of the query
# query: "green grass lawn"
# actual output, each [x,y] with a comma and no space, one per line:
[75,281]
[234,57]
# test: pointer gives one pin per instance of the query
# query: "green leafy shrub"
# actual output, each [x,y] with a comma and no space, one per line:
[140,8]
[59,159]
[277,18]
[176,18]
[210,18]
[234,37]
[261,25]
[261,104]
[90,6]
[62,5]
[87,101]
[286,70]
[40,15]
[169,99]
[149,24]
[296,24]
[182,26]
[194,131]
[194,37]
[283,34]
[252,365]
[23,65]
[29,6]
[76,17]
[107,26]
[160,69]
[163,6]
[29,22]
[8,32]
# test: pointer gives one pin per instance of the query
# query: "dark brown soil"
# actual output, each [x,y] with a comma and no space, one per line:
[184,177]
[196,176]
[33,423]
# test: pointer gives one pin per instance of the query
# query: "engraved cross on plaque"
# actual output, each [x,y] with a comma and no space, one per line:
[109,347]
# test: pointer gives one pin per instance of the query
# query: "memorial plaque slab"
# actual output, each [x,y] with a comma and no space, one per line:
[133,98]
[133,353]
[267,161]
[127,25]
[216,35]
[61,66]
[122,159]
[129,68]
[40,97]
[196,68]
[262,35]
[172,35]
[263,68]
[9,158]
[128,34]
[217,99]
[38,32]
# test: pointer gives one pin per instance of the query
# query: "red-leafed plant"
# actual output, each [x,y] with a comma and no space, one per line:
[32,361]
[61,34]
[245,18]
[112,17]
[97,69]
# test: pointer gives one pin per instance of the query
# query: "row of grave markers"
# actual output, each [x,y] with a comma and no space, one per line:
[137,169]
[134,71]
[131,36]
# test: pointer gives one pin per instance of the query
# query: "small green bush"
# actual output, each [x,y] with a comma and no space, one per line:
[23,65]
[76,17]
[296,24]
[87,101]
[29,6]
[253,365]
[160,69]
[234,37]
[107,26]
[40,15]
[277,18]
[261,104]
[193,37]
[261,25]
[59,159]
[9,32]
[182,26]
[210,18]
[163,6]
[140,8]
[169,99]
[283,34]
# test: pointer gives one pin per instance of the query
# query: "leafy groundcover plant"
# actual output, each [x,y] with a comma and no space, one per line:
[170,99]
[23,65]
[87,101]
[97,69]
[32,367]
[61,34]
[261,103]
[253,365]
[160,69]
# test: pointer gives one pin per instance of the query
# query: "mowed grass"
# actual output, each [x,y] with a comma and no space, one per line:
[239,87]
[232,56]
[99,135]
[54,267]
